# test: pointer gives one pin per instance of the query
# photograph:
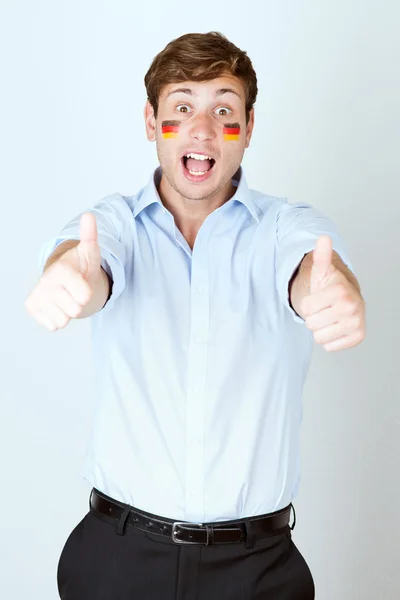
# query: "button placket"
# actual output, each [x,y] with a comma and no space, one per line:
[196,379]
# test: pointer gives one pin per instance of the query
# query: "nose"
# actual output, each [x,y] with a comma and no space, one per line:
[203,128]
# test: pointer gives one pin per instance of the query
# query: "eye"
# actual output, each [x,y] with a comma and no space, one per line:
[225,111]
[183,106]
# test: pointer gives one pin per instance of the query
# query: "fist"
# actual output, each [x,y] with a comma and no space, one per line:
[334,310]
[66,287]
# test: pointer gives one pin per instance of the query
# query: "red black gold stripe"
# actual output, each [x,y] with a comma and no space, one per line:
[170,129]
[231,131]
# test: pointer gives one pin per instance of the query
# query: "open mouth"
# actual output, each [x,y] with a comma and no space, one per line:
[197,167]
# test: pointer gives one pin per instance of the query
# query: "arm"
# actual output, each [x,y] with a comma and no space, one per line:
[111,214]
[298,228]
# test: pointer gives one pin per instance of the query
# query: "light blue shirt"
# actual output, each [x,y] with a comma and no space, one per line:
[200,360]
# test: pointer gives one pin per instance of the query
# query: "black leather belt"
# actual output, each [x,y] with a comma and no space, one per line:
[185,532]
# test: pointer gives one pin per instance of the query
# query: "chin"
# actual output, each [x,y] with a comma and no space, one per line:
[195,192]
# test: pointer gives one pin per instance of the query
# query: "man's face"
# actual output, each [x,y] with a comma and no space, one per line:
[205,118]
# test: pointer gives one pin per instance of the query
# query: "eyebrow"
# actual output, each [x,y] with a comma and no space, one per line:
[227,91]
[190,92]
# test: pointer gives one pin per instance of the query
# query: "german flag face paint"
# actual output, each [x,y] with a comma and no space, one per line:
[170,129]
[231,132]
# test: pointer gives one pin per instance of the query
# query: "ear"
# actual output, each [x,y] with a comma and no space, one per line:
[150,121]
[249,128]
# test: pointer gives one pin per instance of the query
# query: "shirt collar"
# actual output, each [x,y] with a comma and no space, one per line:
[243,194]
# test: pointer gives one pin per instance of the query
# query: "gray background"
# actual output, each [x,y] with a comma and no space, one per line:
[327,132]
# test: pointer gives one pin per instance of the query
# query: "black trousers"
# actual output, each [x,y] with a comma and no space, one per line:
[98,564]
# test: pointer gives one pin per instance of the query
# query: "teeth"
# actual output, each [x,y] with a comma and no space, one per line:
[197,172]
[198,156]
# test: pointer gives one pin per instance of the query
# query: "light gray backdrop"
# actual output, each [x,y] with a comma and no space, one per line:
[327,132]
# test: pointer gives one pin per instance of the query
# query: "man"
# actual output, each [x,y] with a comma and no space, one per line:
[206,297]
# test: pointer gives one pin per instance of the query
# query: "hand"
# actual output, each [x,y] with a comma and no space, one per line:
[334,310]
[66,287]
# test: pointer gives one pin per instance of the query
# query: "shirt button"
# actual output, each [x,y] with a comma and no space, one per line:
[199,289]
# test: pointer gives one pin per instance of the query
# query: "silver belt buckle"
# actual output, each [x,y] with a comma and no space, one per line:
[184,525]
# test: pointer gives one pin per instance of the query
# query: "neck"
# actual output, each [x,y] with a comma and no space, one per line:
[189,213]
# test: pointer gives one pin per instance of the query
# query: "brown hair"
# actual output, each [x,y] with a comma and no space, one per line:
[200,57]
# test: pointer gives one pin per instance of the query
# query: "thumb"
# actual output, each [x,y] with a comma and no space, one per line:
[322,263]
[88,248]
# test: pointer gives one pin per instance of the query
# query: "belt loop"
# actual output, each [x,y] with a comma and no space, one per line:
[210,535]
[249,541]
[122,520]
[90,499]
[294,522]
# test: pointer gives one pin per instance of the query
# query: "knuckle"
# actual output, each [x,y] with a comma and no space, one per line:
[63,322]
[60,272]
[311,324]
[45,287]
[81,292]
[317,337]
[350,307]
[361,335]
[50,326]
[87,295]
[75,312]
[353,306]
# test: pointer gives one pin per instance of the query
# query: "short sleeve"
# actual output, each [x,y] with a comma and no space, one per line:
[109,227]
[298,227]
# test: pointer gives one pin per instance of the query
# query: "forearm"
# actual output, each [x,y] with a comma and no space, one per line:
[101,288]
[299,286]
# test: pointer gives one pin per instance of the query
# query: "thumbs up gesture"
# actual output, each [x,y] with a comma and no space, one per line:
[74,285]
[334,310]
